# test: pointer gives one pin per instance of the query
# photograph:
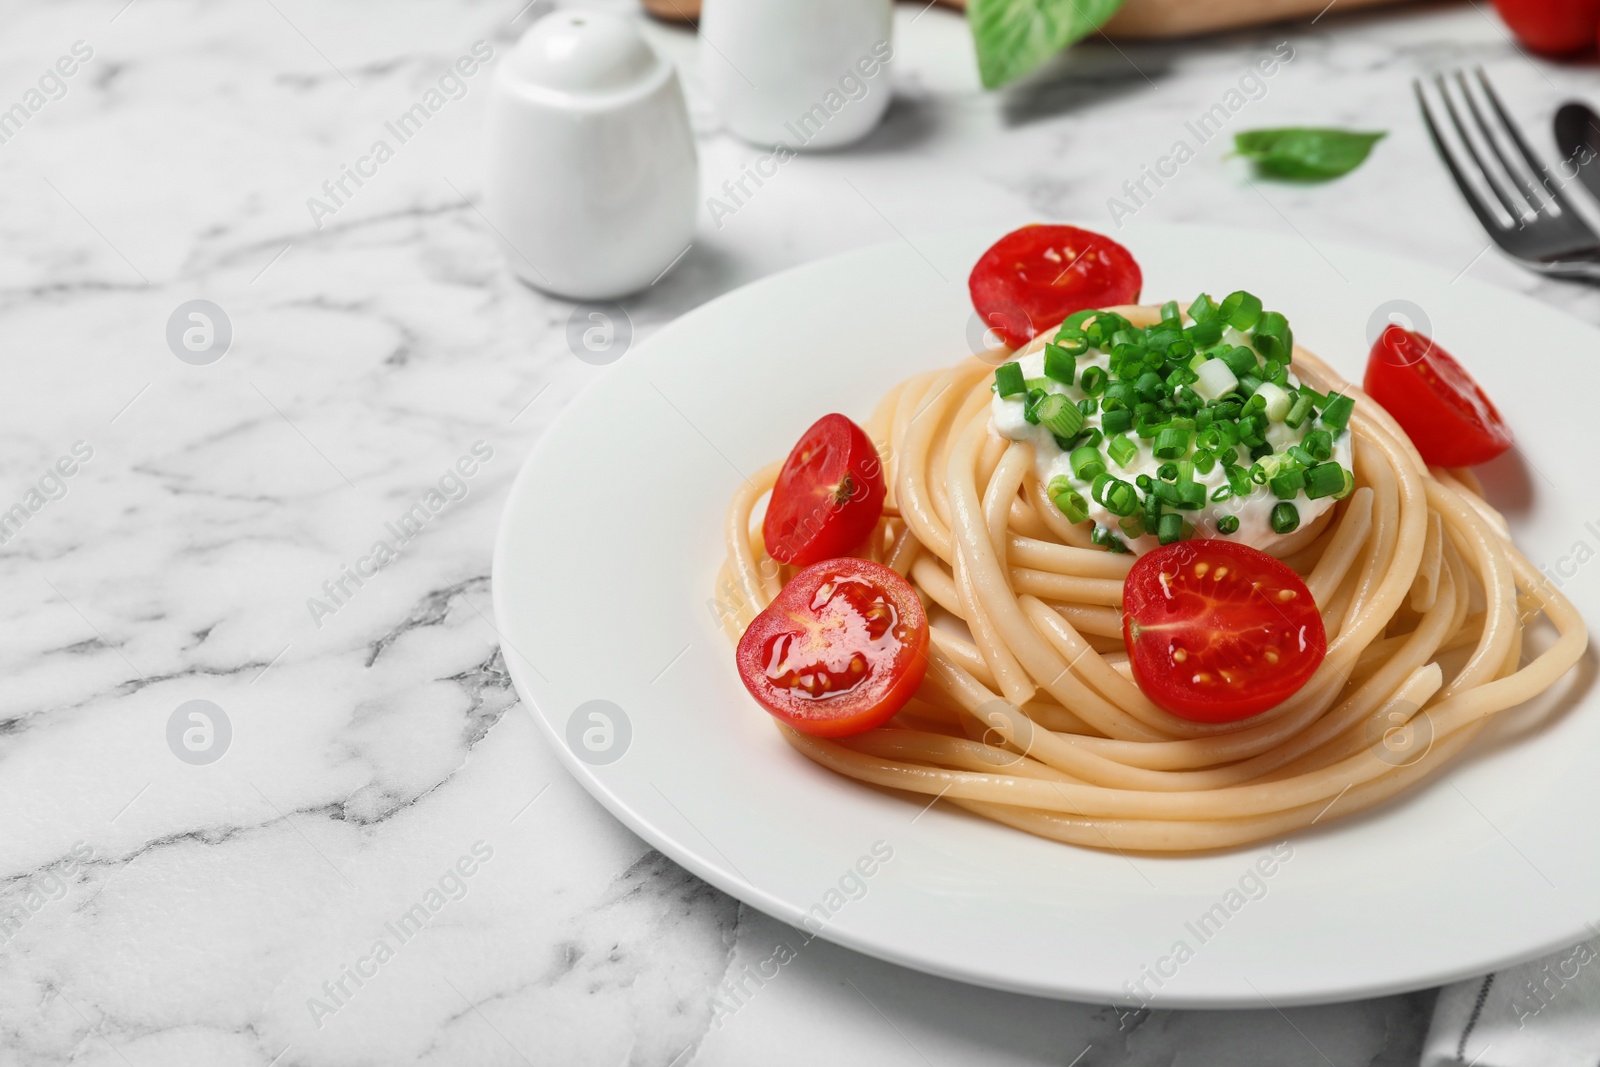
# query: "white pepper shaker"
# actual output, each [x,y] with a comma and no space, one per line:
[798,73]
[593,179]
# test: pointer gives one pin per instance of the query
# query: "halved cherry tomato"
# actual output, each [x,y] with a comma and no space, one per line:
[1219,631]
[1034,277]
[1552,27]
[839,651]
[1433,398]
[828,497]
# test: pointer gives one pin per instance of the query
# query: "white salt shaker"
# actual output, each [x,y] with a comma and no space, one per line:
[593,180]
[798,73]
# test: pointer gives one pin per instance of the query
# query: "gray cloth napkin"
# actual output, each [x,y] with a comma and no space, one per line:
[1541,1014]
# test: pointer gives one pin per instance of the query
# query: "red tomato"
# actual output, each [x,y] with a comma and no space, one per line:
[1434,400]
[1034,277]
[1219,631]
[828,497]
[1553,27]
[839,651]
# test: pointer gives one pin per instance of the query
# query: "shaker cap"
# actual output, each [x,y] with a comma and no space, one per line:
[583,52]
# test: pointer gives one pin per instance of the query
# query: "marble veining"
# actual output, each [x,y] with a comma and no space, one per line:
[157,909]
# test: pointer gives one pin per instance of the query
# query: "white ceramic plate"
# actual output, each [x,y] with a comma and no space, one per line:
[603,579]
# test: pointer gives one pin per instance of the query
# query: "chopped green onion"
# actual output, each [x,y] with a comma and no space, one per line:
[1205,461]
[1008,379]
[1093,381]
[1214,379]
[1102,536]
[1240,309]
[1241,361]
[1067,500]
[1222,492]
[1115,495]
[1167,472]
[1320,444]
[1202,310]
[1030,405]
[1133,525]
[1272,337]
[1087,464]
[1277,401]
[1285,518]
[1118,421]
[1191,496]
[1169,312]
[1336,416]
[1299,411]
[1228,524]
[1325,479]
[1072,342]
[1349,484]
[1122,451]
[1059,415]
[1059,364]
[1204,333]
[1169,528]
[1171,443]
[1287,485]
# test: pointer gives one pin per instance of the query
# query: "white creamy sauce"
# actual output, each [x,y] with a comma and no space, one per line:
[1253,511]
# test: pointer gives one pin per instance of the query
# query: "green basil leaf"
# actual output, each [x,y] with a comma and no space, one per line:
[1013,37]
[1306,154]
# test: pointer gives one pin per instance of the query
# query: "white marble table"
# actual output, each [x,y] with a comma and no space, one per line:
[161,910]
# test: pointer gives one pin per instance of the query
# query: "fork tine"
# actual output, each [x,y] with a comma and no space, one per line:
[1515,212]
[1525,186]
[1486,215]
[1537,168]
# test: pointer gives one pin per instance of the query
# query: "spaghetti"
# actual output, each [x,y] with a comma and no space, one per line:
[1028,713]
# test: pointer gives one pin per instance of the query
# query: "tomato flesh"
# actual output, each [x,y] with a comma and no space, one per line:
[1218,631]
[828,496]
[1034,277]
[1445,413]
[839,651]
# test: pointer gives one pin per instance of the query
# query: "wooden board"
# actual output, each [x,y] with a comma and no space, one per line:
[1139,18]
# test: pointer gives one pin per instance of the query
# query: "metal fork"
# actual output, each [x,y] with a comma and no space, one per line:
[1542,232]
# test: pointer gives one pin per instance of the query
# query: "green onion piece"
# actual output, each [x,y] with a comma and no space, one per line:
[1041,384]
[1059,364]
[1067,500]
[1072,342]
[1030,405]
[1133,525]
[1222,492]
[1325,479]
[1116,496]
[1320,444]
[1118,421]
[1349,484]
[1198,360]
[1285,518]
[1008,379]
[1102,536]
[1059,415]
[1272,337]
[1171,443]
[1122,451]
[1149,385]
[1169,312]
[1204,333]
[1287,485]
[1275,401]
[1094,381]
[1238,480]
[1169,528]
[1228,524]
[1191,496]
[1167,472]
[1240,309]
[1087,464]
[1241,361]
[1202,310]
[1263,449]
[1091,437]
[1205,461]
[1214,380]
[1336,416]
[1299,411]
[1248,384]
